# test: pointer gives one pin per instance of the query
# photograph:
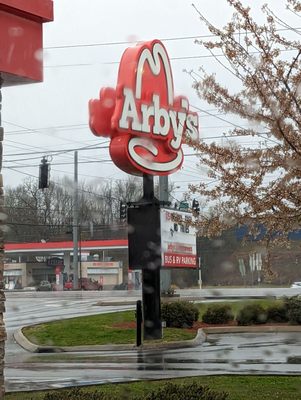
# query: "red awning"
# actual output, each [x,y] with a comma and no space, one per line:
[31,9]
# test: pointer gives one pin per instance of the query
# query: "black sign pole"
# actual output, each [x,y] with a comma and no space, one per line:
[151,300]
[148,188]
[139,320]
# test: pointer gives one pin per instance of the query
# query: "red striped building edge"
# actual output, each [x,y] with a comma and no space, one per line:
[67,245]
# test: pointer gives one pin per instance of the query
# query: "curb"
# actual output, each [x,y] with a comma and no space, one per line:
[34,348]
[200,338]
[103,303]
[166,299]
[252,329]
[24,342]
[169,299]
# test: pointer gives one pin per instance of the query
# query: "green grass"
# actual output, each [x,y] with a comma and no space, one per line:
[107,328]
[238,387]
[94,330]
[90,330]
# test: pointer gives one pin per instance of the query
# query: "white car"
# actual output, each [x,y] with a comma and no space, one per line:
[296,285]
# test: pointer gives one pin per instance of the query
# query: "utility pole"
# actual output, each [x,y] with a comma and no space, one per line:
[165,280]
[75,222]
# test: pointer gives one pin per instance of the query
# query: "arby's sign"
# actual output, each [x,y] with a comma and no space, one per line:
[143,118]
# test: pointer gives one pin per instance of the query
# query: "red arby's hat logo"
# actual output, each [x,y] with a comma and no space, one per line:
[144,120]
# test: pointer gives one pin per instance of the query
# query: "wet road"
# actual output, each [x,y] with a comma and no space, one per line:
[222,354]
[27,308]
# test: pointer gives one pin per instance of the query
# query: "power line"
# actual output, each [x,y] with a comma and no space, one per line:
[63,128]
[125,42]
[58,152]
[63,163]
[93,147]
[60,128]
[91,161]
[181,58]
[238,126]
[37,131]
[62,184]
[169,39]
[31,224]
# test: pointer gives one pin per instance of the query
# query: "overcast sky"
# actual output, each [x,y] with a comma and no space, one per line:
[82,49]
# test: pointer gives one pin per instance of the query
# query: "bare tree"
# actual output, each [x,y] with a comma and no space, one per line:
[128,190]
[35,214]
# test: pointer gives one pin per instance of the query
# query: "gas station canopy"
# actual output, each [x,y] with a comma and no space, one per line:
[21,39]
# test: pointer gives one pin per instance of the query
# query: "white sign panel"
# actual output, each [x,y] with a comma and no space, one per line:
[102,271]
[12,272]
[178,240]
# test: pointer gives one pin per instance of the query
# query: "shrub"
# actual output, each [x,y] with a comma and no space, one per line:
[251,314]
[277,313]
[179,314]
[293,308]
[188,391]
[218,314]
[76,394]
[170,391]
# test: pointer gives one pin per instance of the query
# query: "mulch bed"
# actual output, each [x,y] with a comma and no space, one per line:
[125,325]
[197,325]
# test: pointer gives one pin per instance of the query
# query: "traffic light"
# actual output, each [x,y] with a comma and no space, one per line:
[44,174]
[123,211]
[195,206]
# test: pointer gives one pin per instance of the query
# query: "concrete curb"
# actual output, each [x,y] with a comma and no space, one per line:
[200,338]
[166,299]
[103,303]
[34,348]
[252,329]
[24,342]
[170,299]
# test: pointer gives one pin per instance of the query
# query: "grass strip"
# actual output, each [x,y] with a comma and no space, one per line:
[100,329]
[112,328]
[239,388]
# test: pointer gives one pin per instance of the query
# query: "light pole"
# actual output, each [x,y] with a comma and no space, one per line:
[200,274]
[75,222]
[258,267]
[80,257]
[252,266]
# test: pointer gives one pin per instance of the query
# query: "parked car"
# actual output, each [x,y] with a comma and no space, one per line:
[296,285]
[84,284]
[68,285]
[44,286]
[121,286]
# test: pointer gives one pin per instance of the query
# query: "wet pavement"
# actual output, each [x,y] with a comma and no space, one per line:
[255,353]
[222,354]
